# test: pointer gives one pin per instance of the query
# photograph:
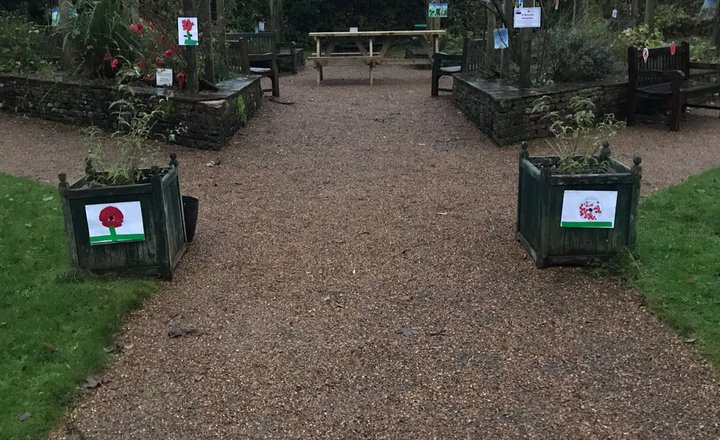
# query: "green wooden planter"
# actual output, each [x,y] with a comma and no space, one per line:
[132,229]
[550,236]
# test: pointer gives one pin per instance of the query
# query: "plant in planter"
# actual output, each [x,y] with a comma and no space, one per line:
[580,204]
[120,217]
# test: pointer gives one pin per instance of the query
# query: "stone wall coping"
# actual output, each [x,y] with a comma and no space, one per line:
[227,88]
[499,90]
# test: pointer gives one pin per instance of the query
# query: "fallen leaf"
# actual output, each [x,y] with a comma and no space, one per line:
[179,332]
[48,198]
[23,416]
[690,340]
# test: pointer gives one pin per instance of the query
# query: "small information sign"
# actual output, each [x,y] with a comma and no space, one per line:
[438,10]
[527,18]
[164,77]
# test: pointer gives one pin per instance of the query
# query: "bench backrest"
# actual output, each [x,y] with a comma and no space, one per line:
[473,55]
[659,60]
[258,42]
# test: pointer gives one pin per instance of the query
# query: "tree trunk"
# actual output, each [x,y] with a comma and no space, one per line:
[191,72]
[206,36]
[490,41]
[508,6]
[650,6]
[716,31]
[220,30]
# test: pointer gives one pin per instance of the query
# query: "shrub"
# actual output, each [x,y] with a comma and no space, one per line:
[21,47]
[586,52]
[642,36]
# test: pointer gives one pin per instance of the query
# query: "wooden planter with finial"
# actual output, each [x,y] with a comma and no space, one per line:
[134,229]
[555,218]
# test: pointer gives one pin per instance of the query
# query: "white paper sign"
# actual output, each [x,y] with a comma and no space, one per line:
[164,77]
[115,222]
[261,26]
[588,209]
[187,31]
[353,29]
[527,18]
[614,13]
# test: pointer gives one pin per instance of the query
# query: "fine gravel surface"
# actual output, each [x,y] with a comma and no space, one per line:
[355,275]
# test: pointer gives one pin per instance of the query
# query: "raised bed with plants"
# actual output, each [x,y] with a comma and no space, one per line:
[581,204]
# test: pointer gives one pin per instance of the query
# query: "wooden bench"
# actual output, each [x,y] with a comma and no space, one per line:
[445,64]
[256,53]
[665,77]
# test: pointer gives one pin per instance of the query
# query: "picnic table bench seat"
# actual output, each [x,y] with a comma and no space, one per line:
[663,74]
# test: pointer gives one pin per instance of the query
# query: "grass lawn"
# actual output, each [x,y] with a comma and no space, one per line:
[679,251]
[53,323]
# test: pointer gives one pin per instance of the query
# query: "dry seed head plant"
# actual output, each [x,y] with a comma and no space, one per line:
[117,160]
[578,135]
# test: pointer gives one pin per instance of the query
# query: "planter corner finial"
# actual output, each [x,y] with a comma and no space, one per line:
[62,177]
[524,150]
[637,168]
[605,150]
[173,160]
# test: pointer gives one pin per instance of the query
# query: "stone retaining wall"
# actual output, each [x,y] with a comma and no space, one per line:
[206,120]
[504,114]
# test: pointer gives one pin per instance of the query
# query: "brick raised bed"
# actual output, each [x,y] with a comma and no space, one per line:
[503,112]
[208,119]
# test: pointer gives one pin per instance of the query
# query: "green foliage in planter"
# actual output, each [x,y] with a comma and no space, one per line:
[579,135]
[21,46]
[54,322]
[118,160]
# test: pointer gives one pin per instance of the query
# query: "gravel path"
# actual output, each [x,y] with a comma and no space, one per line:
[354,275]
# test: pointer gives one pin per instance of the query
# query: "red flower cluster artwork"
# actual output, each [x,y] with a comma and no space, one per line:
[590,209]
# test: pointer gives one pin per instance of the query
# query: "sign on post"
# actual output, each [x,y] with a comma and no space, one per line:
[527,18]
[188,31]
[502,38]
[437,10]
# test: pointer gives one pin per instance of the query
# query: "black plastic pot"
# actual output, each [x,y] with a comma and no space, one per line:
[190,210]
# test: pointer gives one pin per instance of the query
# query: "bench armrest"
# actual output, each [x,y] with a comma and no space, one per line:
[708,66]
[673,75]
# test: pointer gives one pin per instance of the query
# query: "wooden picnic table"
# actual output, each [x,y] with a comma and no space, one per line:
[367,44]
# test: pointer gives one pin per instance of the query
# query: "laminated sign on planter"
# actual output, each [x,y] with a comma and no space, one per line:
[115,222]
[588,209]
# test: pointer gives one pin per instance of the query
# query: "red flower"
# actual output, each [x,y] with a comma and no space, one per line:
[187,25]
[111,217]
[114,63]
[151,25]
[140,65]
[168,53]
[180,77]
[158,61]
[137,28]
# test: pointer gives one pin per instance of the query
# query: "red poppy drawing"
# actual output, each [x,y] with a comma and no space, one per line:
[590,209]
[168,53]
[111,217]
[187,25]
[114,63]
